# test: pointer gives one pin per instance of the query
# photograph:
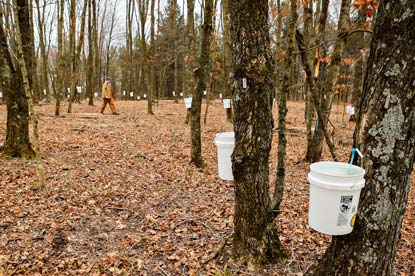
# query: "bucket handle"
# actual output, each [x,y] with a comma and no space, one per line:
[354,150]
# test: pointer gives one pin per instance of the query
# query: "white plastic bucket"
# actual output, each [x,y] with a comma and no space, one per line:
[188,102]
[225,143]
[334,196]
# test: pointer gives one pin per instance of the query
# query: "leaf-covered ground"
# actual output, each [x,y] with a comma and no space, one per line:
[122,198]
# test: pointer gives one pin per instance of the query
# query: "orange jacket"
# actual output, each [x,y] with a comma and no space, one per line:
[106,91]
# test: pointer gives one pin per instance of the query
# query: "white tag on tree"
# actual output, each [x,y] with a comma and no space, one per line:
[227,103]
[181,94]
[220,95]
[205,92]
[145,96]
[244,84]
[138,98]
[96,94]
[79,89]
[44,92]
[131,94]
[1,94]
[69,90]
[188,102]
[174,94]
[350,110]
[123,93]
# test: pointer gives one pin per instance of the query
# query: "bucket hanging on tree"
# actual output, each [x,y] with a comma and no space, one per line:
[334,196]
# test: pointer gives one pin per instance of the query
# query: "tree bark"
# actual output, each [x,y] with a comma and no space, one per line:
[388,146]
[72,29]
[45,63]
[308,41]
[61,61]
[282,109]
[17,142]
[21,16]
[191,53]
[90,87]
[255,237]
[227,56]
[142,9]
[201,75]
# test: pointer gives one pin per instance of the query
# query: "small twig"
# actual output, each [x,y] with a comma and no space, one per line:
[162,270]
[216,252]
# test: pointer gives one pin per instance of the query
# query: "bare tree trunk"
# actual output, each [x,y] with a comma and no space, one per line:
[209,91]
[191,53]
[282,109]
[41,22]
[129,37]
[143,9]
[17,142]
[61,61]
[90,87]
[96,74]
[21,18]
[201,74]
[152,81]
[175,54]
[360,64]
[255,238]
[227,56]
[308,41]
[30,54]
[72,37]
[389,150]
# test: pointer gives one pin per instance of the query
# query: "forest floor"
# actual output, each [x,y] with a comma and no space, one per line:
[122,198]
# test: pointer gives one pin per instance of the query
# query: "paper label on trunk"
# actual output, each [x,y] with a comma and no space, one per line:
[188,102]
[227,103]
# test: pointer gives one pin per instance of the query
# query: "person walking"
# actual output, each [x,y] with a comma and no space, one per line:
[107,96]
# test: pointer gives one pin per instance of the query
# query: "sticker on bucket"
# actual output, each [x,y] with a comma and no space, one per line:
[345,210]
[353,220]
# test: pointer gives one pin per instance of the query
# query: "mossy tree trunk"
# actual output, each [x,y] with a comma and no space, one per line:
[255,237]
[17,142]
[388,144]
[201,75]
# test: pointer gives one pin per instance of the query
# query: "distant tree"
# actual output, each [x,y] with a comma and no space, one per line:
[42,46]
[287,80]
[72,56]
[60,67]
[255,238]
[17,142]
[388,145]
[143,6]
[227,55]
[326,84]
[201,74]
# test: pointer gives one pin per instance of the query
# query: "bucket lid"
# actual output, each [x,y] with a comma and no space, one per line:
[336,175]
[225,138]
